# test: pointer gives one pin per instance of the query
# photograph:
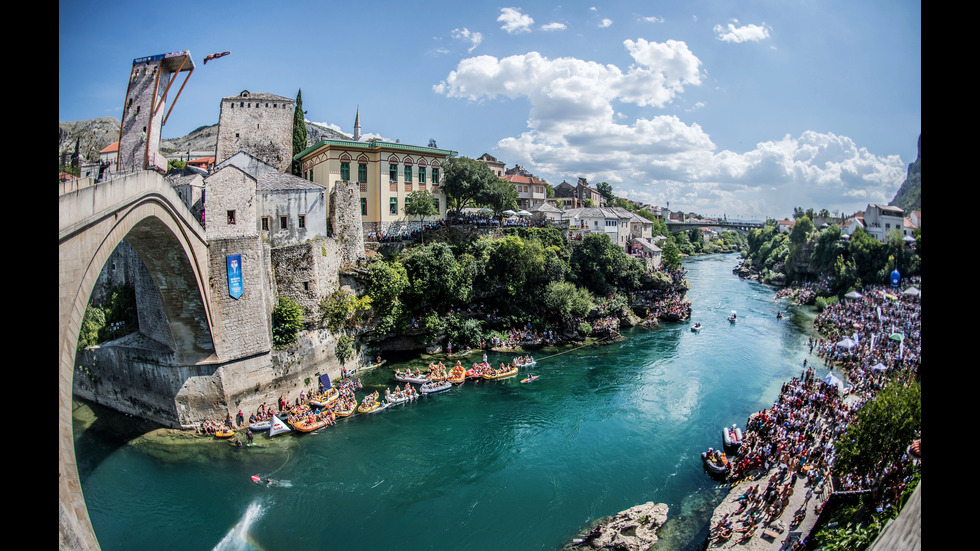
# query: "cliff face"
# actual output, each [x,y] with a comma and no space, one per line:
[909,196]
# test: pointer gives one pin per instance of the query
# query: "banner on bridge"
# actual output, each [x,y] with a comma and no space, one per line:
[235,285]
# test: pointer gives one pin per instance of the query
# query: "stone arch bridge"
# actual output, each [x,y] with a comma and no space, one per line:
[143,209]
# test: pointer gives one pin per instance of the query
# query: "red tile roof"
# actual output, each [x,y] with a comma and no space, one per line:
[114,146]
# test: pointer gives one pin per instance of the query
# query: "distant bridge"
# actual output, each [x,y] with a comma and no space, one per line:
[738,225]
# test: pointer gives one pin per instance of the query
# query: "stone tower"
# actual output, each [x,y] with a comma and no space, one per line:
[357,125]
[145,110]
[258,124]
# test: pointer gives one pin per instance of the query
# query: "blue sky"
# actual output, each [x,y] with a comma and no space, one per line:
[739,108]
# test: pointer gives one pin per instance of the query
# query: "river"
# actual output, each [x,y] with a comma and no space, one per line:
[487,465]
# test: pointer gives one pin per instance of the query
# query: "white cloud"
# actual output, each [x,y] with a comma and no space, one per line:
[514,21]
[553,27]
[573,129]
[652,19]
[745,33]
[473,38]
[605,23]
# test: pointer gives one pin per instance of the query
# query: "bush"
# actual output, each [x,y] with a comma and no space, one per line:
[345,348]
[287,320]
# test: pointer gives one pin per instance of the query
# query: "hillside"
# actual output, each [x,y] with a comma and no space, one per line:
[909,196]
[95,134]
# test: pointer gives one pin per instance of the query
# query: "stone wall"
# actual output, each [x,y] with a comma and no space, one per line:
[245,322]
[345,220]
[307,273]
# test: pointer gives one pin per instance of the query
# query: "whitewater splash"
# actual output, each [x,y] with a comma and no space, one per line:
[238,539]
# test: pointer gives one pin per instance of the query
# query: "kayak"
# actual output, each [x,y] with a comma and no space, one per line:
[530,378]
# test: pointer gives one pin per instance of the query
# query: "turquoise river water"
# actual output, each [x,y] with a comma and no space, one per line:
[487,465]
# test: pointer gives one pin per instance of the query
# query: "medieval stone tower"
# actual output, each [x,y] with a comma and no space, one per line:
[258,124]
[145,110]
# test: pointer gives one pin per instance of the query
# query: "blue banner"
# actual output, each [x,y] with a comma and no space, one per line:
[235,285]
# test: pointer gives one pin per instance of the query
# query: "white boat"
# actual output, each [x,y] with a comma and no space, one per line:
[261,425]
[408,377]
[732,436]
[732,318]
[278,427]
[696,327]
[429,388]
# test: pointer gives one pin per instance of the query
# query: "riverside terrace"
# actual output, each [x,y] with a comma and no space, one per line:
[788,455]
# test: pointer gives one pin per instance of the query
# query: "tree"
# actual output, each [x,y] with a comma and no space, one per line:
[420,203]
[499,195]
[287,320]
[299,132]
[464,181]
[884,427]
[432,143]
[606,190]
[74,156]
[603,267]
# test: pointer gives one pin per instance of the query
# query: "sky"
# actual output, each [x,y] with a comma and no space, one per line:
[737,108]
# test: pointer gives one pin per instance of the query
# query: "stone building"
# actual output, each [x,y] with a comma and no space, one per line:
[497,167]
[385,174]
[259,124]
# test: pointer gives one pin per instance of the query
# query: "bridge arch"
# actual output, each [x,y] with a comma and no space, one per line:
[145,211]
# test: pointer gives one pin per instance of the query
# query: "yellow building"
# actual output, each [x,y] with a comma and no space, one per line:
[387,173]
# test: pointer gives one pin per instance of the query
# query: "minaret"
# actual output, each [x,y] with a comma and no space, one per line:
[357,125]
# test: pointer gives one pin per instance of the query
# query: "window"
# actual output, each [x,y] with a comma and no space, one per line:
[408,174]
[282,222]
[363,206]
[362,172]
[393,205]
[345,172]
[265,223]
[392,172]
[421,174]
[302,221]
[231,217]
[435,175]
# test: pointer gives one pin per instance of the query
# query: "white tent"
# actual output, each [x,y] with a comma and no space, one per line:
[913,291]
[853,295]
[523,213]
[879,367]
[831,380]
[847,343]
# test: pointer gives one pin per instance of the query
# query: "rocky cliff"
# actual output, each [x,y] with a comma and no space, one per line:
[909,196]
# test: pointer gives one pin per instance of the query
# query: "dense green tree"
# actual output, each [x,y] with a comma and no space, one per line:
[564,300]
[513,262]
[436,278]
[606,190]
[93,320]
[464,181]
[826,249]
[499,195]
[882,430]
[421,204]
[299,133]
[801,230]
[670,255]
[287,320]
[602,267]
[870,257]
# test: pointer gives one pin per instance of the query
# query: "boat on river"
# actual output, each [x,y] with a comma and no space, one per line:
[312,422]
[696,327]
[732,436]
[429,388]
[342,411]
[370,404]
[734,317]
[530,378]
[408,376]
[716,462]
[325,399]
[501,373]
[224,433]
[261,425]
[457,374]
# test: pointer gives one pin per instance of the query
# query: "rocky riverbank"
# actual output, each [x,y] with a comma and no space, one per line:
[634,529]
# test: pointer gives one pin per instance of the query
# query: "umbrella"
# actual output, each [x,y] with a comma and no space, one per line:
[523,213]
[897,337]
[853,295]
[509,212]
[485,210]
[912,291]
[879,367]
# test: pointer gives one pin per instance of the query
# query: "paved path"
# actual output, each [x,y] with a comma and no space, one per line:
[759,542]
